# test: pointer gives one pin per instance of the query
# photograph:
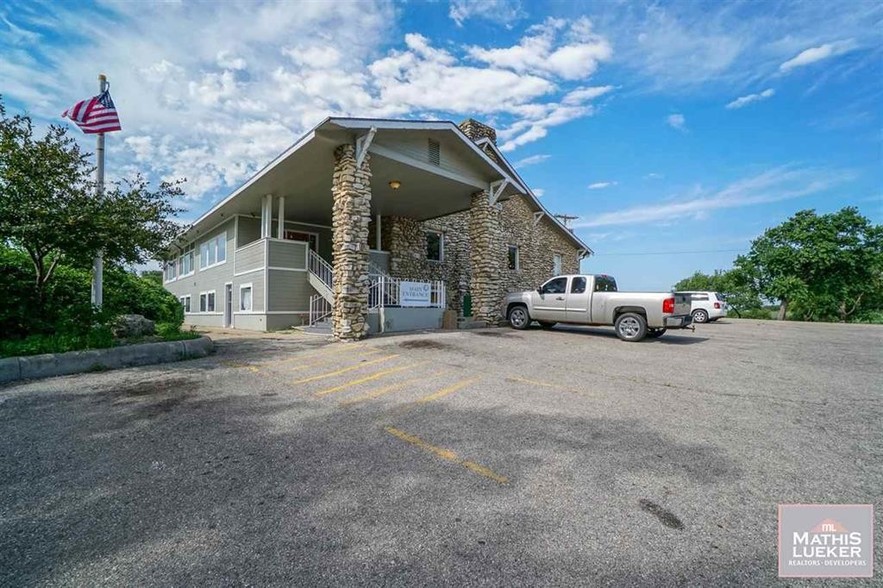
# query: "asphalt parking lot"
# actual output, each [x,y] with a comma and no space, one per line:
[486,457]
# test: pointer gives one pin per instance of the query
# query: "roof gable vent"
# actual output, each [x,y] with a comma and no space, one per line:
[434,152]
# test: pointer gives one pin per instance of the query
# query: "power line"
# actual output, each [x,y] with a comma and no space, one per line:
[672,252]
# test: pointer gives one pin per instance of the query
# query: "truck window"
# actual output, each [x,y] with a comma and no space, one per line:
[604,284]
[578,286]
[555,286]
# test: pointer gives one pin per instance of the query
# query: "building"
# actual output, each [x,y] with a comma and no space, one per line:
[375,225]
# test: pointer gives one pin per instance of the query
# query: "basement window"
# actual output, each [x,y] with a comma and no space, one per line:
[435,247]
[434,152]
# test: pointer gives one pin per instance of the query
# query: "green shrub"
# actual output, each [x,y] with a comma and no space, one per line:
[173,332]
[757,313]
[96,338]
[872,317]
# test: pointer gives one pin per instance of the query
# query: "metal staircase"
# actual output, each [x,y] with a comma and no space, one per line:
[321,276]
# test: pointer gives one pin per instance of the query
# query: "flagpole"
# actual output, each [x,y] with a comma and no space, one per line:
[98,262]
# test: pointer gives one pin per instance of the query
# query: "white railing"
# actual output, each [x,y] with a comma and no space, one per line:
[322,269]
[320,309]
[384,291]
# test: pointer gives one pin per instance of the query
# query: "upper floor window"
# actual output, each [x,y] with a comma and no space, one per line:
[435,246]
[213,251]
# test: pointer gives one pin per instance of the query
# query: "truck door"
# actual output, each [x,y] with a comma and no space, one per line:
[578,300]
[550,301]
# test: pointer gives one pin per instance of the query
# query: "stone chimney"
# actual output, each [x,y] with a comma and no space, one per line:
[476,130]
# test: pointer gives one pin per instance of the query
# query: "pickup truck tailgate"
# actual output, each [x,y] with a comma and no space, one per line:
[683,304]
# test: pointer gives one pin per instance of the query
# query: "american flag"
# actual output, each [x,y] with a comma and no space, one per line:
[95,115]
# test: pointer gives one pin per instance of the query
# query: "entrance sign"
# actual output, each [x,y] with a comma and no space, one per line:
[414,293]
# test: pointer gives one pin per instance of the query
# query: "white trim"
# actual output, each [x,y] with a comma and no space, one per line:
[250,244]
[362,145]
[427,167]
[206,314]
[308,224]
[266,277]
[287,269]
[280,218]
[537,217]
[250,286]
[254,312]
[260,269]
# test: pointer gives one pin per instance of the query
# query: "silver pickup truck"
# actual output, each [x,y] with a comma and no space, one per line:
[594,300]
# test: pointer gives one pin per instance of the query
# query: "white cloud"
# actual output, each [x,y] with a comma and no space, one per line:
[216,106]
[746,100]
[602,185]
[540,51]
[531,160]
[814,54]
[538,192]
[654,176]
[504,12]
[772,186]
[676,121]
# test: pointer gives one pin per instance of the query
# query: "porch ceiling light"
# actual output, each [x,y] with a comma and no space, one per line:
[395,184]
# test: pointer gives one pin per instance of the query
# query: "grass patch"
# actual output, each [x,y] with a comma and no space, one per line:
[98,338]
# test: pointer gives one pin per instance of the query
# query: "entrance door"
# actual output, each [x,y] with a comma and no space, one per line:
[228,305]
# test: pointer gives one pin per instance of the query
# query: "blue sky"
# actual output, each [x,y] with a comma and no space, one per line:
[676,132]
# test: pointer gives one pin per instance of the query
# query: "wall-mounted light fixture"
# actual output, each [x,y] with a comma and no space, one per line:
[395,184]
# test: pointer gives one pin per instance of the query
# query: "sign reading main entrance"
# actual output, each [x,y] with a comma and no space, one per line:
[414,294]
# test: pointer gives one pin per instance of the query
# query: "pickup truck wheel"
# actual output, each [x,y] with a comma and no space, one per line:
[518,318]
[700,316]
[655,333]
[630,326]
[546,324]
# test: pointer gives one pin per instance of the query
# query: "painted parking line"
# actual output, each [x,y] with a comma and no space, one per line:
[446,454]
[371,378]
[359,365]
[378,392]
[445,391]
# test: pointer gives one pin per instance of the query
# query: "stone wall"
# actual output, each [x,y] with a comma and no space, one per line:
[405,239]
[351,213]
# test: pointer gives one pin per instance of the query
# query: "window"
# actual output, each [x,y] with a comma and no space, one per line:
[185,302]
[245,297]
[435,248]
[188,261]
[699,296]
[556,264]
[213,251]
[514,261]
[605,284]
[578,286]
[311,238]
[556,286]
[170,271]
[207,301]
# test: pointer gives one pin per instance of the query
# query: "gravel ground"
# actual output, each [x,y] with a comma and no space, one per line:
[487,457]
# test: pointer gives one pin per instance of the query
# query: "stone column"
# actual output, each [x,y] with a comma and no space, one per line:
[351,213]
[487,257]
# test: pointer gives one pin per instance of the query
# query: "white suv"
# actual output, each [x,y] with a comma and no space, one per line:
[706,306]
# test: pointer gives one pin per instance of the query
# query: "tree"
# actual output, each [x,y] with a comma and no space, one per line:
[733,284]
[49,207]
[823,267]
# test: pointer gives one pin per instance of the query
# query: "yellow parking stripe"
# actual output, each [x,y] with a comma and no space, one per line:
[370,378]
[345,370]
[376,393]
[445,391]
[446,454]
[324,351]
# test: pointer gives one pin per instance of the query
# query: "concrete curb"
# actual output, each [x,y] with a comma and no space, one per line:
[74,362]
